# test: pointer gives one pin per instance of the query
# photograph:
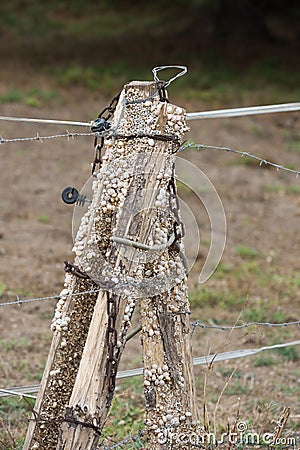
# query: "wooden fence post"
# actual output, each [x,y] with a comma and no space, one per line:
[128,249]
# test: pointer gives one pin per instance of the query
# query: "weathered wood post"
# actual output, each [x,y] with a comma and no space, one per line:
[128,249]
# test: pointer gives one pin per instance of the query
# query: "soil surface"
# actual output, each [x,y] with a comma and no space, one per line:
[260,263]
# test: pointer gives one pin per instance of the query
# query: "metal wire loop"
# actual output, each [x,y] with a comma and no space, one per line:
[184,70]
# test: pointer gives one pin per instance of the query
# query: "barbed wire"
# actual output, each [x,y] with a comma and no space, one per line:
[198,324]
[262,161]
[20,301]
[201,360]
[194,324]
[67,135]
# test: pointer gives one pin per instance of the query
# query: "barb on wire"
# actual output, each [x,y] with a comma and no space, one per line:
[67,135]
[194,324]
[261,161]
[20,302]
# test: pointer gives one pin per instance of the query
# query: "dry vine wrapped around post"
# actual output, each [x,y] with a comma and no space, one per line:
[129,248]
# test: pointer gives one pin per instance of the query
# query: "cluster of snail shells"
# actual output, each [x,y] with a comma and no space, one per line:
[145,115]
[129,308]
[158,376]
[174,114]
[60,321]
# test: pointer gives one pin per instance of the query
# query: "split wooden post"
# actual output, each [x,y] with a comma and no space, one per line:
[128,248]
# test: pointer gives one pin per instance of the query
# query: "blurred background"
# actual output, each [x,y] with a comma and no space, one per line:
[98,44]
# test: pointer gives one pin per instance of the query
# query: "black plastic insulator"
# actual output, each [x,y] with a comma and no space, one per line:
[70,195]
[100,125]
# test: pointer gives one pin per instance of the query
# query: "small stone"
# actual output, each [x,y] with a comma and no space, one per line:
[35,446]
[64,293]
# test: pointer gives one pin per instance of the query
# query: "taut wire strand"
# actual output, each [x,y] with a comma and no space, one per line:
[194,324]
[213,114]
[261,161]
[246,111]
[46,121]
[202,360]
[20,302]
[198,324]
[185,146]
[67,135]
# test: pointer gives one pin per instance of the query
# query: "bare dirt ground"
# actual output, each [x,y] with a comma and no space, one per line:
[259,275]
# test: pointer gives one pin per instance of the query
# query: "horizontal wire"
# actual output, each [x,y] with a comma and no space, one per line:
[20,301]
[46,121]
[247,111]
[202,360]
[13,393]
[193,324]
[213,114]
[67,135]
[238,152]
[197,324]
[124,441]
[186,146]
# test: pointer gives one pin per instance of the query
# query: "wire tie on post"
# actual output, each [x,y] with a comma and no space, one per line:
[156,69]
